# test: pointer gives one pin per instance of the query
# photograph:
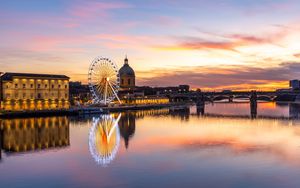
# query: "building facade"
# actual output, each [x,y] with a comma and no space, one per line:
[23,91]
[295,84]
[127,76]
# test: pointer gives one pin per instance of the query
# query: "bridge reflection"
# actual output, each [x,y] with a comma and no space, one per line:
[34,134]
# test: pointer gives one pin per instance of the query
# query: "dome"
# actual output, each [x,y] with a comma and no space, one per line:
[126,70]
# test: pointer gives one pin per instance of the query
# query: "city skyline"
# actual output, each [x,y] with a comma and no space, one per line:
[211,45]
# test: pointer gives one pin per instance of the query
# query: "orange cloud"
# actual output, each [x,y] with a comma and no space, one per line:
[297,55]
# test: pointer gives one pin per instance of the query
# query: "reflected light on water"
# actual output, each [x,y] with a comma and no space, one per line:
[34,134]
[173,147]
[104,138]
[240,136]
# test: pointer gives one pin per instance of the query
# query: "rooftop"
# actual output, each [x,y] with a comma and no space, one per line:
[9,76]
[126,70]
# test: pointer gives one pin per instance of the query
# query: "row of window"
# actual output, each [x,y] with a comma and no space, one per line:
[39,86]
[32,96]
[128,81]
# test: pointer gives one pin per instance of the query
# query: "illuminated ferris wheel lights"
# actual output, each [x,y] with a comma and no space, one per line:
[104,80]
[103,145]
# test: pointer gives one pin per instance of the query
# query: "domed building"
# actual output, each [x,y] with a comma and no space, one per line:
[127,76]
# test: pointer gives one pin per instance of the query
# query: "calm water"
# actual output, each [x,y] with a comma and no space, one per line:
[158,148]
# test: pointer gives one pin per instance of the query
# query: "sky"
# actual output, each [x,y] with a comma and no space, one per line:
[212,44]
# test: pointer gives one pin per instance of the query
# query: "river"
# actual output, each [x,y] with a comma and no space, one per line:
[156,148]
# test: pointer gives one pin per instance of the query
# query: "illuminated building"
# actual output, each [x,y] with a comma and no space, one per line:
[22,91]
[147,90]
[127,76]
[145,100]
[134,95]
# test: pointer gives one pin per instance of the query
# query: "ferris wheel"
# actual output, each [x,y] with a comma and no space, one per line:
[104,80]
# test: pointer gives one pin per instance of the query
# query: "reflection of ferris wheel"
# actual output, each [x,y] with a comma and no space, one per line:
[104,80]
[104,139]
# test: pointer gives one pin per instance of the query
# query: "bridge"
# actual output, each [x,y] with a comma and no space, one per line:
[222,96]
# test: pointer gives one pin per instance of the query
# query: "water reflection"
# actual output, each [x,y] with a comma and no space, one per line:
[127,123]
[106,131]
[294,110]
[104,138]
[161,145]
[34,134]
[183,113]
[127,126]
[263,109]
[240,135]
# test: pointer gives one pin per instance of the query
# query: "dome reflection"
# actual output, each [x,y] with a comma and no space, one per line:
[104,139]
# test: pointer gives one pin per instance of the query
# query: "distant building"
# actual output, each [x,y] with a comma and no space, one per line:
[283,91]
[145,100]
[79,93]
[127,76]
[226,91]
[163,90]
[295,84]
[23,91]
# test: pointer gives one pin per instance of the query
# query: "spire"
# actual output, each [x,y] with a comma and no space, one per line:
[126,60]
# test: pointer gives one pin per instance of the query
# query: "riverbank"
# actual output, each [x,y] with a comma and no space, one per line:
[86,110]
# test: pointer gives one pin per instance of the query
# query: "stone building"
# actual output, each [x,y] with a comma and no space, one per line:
[23,91]
[127,76]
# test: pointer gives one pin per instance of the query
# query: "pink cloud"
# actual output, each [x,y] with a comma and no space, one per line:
[228,42]
[74,43]
[88,9]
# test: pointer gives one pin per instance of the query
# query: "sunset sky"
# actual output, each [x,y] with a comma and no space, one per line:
[213,44]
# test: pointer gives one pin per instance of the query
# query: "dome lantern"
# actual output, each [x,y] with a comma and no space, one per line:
[126,60]
[126,70]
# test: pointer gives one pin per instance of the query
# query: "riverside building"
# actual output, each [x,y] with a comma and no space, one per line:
[23,91]
[130,94]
